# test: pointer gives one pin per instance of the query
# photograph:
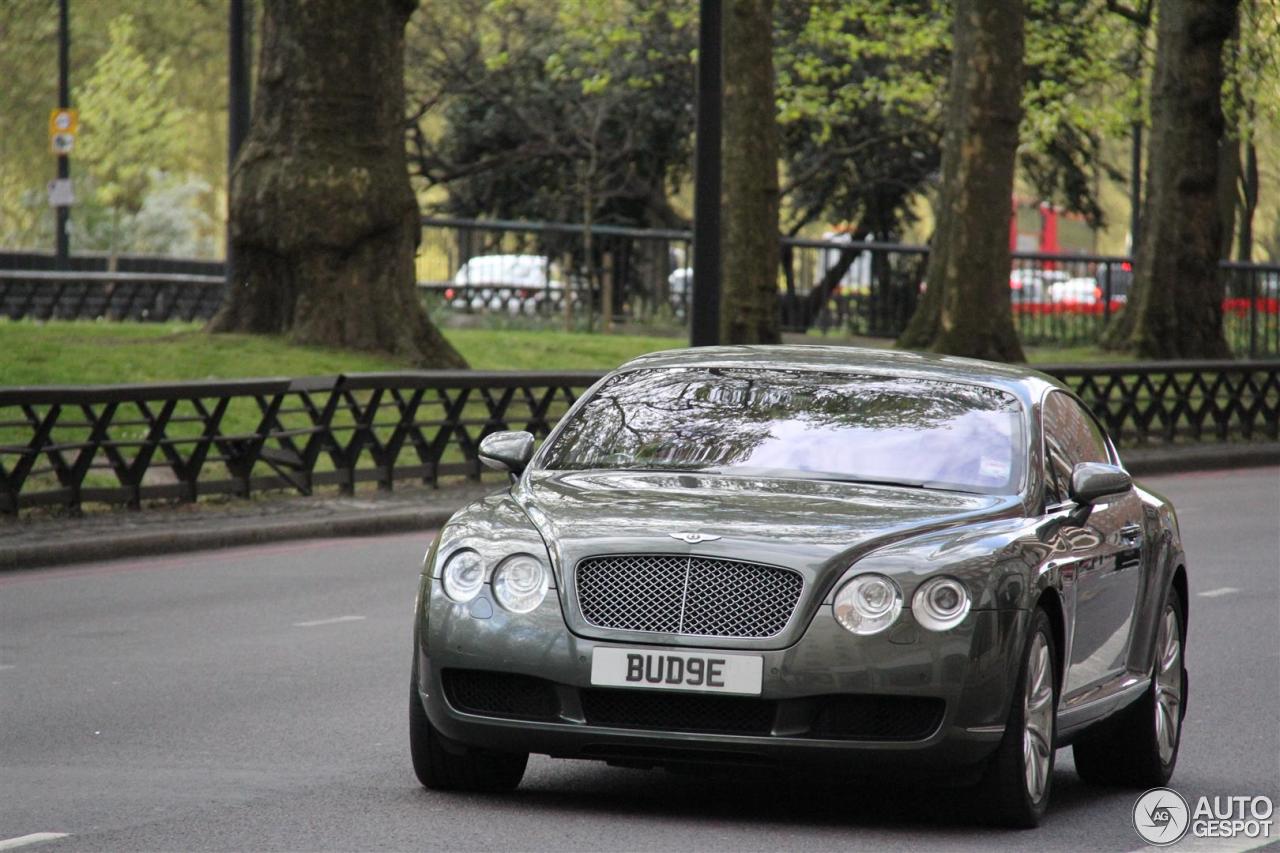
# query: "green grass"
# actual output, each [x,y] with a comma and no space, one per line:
[1074,355]
[92,353]
[486,349]
[89,353]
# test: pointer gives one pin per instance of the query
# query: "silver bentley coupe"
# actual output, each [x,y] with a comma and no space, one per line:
[863,563]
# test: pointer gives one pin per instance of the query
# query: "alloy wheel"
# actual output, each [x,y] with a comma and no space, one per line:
[1168,676]
[1037,736]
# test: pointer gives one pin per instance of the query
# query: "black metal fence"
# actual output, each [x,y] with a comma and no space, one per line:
[66,446]
[581,276]
[842,285]
[140,296]
[129,443]
[101,262]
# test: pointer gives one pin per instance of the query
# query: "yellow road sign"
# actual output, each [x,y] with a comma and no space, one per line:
[64,120]
[63,126]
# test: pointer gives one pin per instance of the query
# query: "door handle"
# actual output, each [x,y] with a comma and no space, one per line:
[1131,534]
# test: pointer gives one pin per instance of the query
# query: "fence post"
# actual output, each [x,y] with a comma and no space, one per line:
[606,293]
[1253,314]
[567,292]
[1106,295]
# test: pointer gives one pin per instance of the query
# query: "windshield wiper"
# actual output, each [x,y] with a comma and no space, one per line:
[826,476]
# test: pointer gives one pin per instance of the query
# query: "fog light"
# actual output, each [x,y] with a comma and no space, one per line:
[940,603]
[463,576]
[520,583]
[868,604]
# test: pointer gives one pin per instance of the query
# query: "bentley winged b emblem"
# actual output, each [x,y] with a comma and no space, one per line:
[694,538]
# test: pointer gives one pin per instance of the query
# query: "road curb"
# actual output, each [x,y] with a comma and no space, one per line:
[374,522]
[1193,457]
[252,532]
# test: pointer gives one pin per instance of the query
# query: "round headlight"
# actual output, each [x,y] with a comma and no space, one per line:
[940,603]
[868,604]
[463,576]
[520,583]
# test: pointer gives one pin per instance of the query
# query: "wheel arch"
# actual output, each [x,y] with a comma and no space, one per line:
[1051,603]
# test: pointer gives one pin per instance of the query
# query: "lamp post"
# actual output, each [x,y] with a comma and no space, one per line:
[238,25]
[704,322]
[62,211]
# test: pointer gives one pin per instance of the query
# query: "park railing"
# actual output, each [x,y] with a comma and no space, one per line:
[66,446]
[860,287]
[18,259]
[139,296]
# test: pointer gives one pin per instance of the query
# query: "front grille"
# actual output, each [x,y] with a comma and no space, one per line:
[678,712]
[500,694]
[699,596]
[877,717]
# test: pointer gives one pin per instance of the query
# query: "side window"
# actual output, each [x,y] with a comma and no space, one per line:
[1071,436]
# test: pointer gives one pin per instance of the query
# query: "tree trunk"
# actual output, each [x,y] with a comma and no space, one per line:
[323,221]
[1248,200]
[1178,310]
[1229,198]
[820,294]
[749,295]
[965,309]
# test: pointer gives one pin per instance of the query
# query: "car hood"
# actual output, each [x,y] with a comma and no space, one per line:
[816,527]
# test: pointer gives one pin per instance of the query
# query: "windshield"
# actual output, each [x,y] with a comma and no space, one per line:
[795,423]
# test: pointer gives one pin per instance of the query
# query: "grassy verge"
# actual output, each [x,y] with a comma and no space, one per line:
[89,353]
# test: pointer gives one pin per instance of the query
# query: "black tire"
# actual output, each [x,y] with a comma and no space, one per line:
[461,768]
[1005,792]
[1127,751]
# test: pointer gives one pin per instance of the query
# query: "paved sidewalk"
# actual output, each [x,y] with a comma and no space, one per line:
[45,540]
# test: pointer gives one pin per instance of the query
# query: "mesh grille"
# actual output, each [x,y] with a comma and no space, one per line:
[500,694]
[678,712]
[699,596]
[878,717]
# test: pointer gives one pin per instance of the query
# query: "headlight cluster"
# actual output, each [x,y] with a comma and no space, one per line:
[940,603]
[519,583]
[870,603]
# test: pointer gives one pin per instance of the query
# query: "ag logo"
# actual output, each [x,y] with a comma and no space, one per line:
[1161,816]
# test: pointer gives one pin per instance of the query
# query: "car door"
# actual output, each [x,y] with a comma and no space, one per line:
[1105,560]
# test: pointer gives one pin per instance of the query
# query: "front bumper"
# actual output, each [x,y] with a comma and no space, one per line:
[966,671]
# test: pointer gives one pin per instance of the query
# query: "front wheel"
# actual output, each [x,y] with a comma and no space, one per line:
[456,767]
[1015,789]
[1140,749]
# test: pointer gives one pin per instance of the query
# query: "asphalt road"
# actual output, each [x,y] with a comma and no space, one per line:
[255,699]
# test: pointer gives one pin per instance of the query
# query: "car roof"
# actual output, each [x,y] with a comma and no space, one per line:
[1017,379]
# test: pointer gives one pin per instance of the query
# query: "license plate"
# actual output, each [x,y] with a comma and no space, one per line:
[699,672]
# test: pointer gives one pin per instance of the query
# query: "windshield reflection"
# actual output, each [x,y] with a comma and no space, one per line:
[799,424]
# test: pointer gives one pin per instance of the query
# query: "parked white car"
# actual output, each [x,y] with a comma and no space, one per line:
[680,290]
[514,283]
[1031,285]
[1084,291]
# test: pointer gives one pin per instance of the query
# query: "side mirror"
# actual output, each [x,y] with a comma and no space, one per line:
[1092,481]
[507,451]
